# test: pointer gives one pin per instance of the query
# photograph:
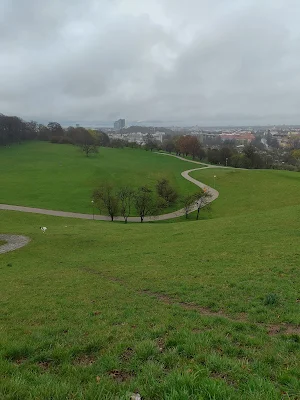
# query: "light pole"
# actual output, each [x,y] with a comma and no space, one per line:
[215,181]
[93,209]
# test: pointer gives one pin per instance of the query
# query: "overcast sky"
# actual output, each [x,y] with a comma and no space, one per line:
[182,61]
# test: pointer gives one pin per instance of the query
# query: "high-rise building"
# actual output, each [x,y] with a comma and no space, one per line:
[120,124]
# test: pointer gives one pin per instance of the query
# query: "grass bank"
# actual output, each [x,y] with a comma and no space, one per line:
[203,310]
[60,177]
[250,191]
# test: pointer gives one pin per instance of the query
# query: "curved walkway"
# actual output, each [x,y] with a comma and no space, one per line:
[14,242]
[185,174]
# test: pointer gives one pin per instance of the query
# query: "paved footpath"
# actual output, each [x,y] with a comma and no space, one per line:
[213,195]
[14,242]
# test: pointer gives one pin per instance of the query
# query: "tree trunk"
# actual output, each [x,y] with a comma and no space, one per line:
[112,218]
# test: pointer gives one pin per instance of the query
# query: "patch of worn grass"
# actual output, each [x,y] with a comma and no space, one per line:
[95,310]
[60,177]
[2,242]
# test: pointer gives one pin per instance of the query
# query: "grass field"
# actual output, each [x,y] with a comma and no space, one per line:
[60,177]
[243,191]
[184,311]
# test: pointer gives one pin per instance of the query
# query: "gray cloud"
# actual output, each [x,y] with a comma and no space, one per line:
[199,61]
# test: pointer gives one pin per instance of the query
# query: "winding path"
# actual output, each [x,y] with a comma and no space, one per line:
[185,174]
[14,242]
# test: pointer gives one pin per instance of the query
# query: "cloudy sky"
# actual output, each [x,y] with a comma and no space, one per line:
[194,61]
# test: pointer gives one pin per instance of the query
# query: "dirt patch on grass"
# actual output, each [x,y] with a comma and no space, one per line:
[20,361]
[84,360]
[193,307]
[160,296]
[224,377]
[206,311]
[161,344]
[127,354]
[44,365]
[272,329]
[120,376]
[95,313]
[283,329]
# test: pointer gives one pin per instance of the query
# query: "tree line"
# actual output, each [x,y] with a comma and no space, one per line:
[213,150]
[112,200]
[15,130]
[226,154]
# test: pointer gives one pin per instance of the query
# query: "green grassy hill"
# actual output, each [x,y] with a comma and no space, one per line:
[250,191]
[60,177]
[201,310]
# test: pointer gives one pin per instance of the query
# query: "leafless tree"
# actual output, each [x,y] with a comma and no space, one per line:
[104,197]
[144,202]
[126,196]
[188,203]
[202,200]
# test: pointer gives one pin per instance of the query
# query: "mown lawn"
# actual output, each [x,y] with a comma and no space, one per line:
[250,191]
[204,310]
[60,177]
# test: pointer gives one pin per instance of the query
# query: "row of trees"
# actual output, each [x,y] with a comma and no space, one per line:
[248,158]
[226,154]
[15,130]
[181,145]
[146,202]
[216,151]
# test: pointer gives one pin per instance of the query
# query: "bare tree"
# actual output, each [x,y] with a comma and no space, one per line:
[202,201]
[144,202]
[105,197]
[188,203]
[126,196]
[199,200]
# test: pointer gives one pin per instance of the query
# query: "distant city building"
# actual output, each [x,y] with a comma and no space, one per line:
[241,137]
[120,124]
[159,136]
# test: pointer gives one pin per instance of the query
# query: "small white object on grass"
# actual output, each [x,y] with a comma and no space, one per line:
[43,229]
[136,396]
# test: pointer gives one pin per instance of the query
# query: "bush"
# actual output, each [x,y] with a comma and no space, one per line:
[65,140]
[271,299]
[166,191]
[56,139]
[61,140]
